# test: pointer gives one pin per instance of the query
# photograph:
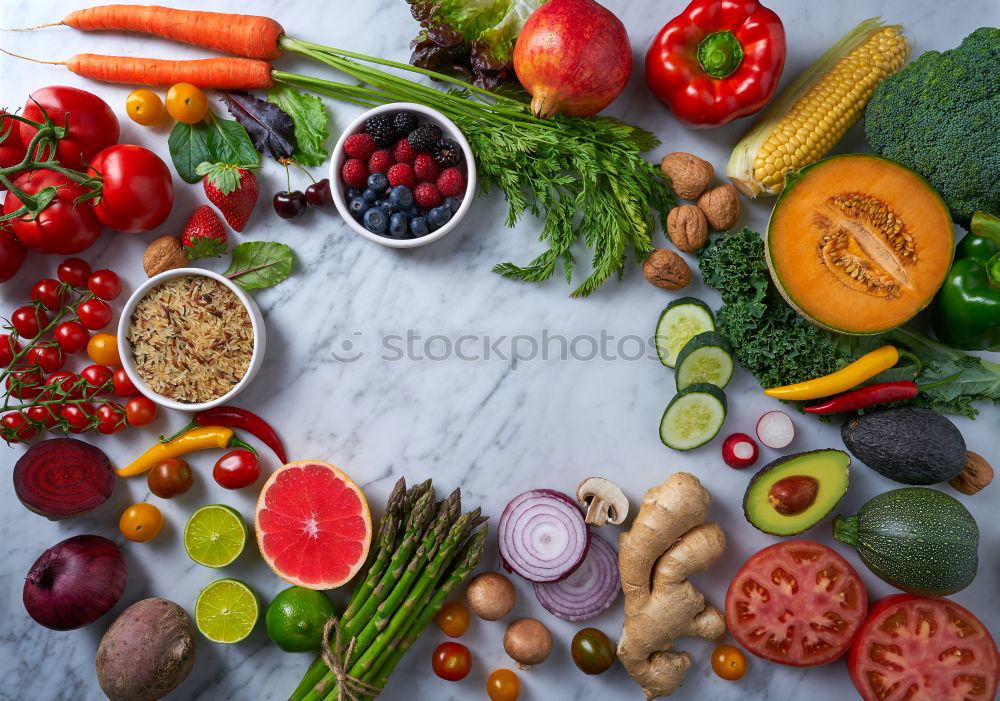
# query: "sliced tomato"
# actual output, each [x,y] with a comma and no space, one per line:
[797,603]
[912,647]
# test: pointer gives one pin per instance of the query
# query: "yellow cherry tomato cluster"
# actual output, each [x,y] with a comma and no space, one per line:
[185,102]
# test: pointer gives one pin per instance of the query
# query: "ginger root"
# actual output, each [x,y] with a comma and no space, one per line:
[668,542]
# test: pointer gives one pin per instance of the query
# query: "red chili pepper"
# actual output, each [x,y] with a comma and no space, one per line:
[234,417]
[865,397]
[716,61]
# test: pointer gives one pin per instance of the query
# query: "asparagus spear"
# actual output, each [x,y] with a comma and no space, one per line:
[413,495]
[386,543]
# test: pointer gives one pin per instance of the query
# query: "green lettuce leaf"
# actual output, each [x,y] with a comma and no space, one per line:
[309,115]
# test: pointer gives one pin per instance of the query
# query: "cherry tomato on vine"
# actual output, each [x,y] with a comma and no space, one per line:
[170,478]
[91,125]
[49,293]
[451,661]
[110,418]
[78,416]
[25,384]
[123,385]
[98,379]
[49,358]
[28,321]
[186,103]
[729,662]
[104,284]
[102,348]
[140,411]
[94,314]
[592,651]
[63,383]
[16,428]
[137,192]
[74,272]
[453,619]
[140,522]
[236,469]
[45,414]
[144,107]
[503,685]
[9,347]
[71,336]
[65,226]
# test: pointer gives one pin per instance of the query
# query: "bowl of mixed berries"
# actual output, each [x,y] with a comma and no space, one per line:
[404,175]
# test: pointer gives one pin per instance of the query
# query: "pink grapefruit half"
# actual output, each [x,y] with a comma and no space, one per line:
[313,525]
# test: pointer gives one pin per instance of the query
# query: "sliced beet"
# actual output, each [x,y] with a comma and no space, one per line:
[63,477]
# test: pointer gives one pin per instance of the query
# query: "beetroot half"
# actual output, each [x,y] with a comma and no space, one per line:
[63,477]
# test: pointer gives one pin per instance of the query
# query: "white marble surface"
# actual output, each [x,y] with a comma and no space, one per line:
[490,428]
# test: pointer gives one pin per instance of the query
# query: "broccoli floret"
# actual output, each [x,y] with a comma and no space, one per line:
[940,116]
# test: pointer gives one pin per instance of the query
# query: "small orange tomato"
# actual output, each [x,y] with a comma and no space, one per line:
[141,522]
[503,685]
[729,662]
[144,107]
[453,619]
[102,348]
[186,103]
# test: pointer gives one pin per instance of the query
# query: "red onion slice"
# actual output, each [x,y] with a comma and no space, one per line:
[589,591]
[542,535]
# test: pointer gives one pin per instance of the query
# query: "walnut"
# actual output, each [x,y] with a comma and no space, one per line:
[687,227]
[721,206]
[163,253]
[976,475]
[666,269]
[689,175]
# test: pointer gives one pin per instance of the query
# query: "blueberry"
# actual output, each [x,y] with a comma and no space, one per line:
[452,203]
[418,226]
[370,196]
[397,225]
[376,221]
[386,207]
[378,182]
[357,207]
[438,217]
[413,211]
[401,197]
[351,193]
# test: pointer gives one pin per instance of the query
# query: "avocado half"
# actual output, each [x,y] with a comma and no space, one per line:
[795,492]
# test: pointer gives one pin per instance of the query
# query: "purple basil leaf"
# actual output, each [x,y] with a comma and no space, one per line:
[270,129]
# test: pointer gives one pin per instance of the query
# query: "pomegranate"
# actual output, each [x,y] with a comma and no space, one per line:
[574,57]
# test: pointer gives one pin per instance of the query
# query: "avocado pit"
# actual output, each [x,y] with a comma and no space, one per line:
[793,495]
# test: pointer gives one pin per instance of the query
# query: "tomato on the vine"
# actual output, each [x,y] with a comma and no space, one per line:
[451,661]
[91,124]
[140,522]
[74,272]
[95,314]
[729,662]
[453,619]
[45,414]
[25,384]
[186,103]
[71,336]
[98,379]
[65,225]
[110,418]
[12,251]
[104,284]
[144,107]
[28,321]
[48,357]
[63,385]
[137,193]
[170,478]
[503,685]
[140,411]
[16,428]
[9,347]
[49,293]
[102,348]
[78,416]
[236,469]
[123,385]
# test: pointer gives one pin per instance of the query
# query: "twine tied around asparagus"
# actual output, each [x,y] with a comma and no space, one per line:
[337,658]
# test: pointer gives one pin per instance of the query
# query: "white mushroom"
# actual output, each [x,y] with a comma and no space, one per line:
[605,502]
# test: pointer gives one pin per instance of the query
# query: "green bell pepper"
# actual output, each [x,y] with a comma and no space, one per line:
[967,307]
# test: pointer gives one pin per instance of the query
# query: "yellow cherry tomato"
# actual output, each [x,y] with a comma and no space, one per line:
[102,348]
[729,662]
[186,103]
[144,107]
[453,619]
[140,522]
[503,685]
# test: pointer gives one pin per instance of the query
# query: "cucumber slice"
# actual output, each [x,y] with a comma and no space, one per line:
[694,417]
[683,319]
[705,358]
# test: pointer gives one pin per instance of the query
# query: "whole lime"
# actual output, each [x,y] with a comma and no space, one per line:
[295,619]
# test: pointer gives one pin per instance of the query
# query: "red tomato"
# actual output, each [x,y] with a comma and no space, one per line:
[95,314]
[12,251]
[63,383]
[797,603]
[71,336]
[78,416]
[140,411]
[28,383]
[123,385]
[63,226]
[920,648]
[28,321]
[49,293]
[15,428]
[92,124]
[49,357]
[137,192]
[110,418]
[104,284]
[11,147]
[98,378]
[451,661]
[237,469]
[9,347]
[45,414]
[74,272]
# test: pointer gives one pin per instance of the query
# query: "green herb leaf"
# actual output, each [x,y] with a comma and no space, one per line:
[309,115]
[224,176]
[188,145]
[228,142]
[259,264]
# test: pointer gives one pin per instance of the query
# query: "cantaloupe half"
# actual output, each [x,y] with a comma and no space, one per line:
[859,244]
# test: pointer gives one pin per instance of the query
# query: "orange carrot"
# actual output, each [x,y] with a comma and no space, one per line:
[218,73]
[249,36]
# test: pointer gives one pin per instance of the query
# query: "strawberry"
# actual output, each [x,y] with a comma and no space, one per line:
[354,173]
[402,174]
[359,146]
[232,189]
[403,152]
[426,168]
[380,162]
[204,234]
[426,195]
[451,182]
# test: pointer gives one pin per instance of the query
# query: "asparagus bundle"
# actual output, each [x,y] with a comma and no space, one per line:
[426,548]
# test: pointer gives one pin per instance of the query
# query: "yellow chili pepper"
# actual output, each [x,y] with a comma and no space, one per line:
[848,377]
[189,441]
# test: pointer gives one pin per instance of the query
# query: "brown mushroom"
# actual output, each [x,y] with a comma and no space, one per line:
[606,503]
[491,596]
[528,642]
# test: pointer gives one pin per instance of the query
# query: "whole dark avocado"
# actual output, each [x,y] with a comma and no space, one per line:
[908,445]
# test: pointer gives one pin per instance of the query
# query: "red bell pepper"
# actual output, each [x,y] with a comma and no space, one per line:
[716,61]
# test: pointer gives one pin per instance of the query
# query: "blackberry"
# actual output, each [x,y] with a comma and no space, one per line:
[381,130]
[447,152]
[404,123]
[423,138]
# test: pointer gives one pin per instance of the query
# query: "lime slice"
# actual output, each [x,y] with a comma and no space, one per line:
[226,611]
[215,535]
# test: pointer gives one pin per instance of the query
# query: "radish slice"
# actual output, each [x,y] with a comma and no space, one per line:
[542,535]
[775,429]
[589,591]
[739,451]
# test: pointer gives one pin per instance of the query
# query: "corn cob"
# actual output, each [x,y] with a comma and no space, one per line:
[815,111]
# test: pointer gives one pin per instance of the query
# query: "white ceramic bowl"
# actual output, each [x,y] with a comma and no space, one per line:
[424,114]
[125,348]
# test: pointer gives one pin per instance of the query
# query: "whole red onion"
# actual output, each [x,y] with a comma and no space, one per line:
[75,582]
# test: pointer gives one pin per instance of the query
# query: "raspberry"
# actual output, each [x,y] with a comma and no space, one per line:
[426,168]
[380,161]
[402,174]
[451,182]
[426,195]
[359,146]
[403,152]
[354,173]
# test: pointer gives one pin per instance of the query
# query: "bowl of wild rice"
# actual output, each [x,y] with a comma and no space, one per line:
[190,339]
